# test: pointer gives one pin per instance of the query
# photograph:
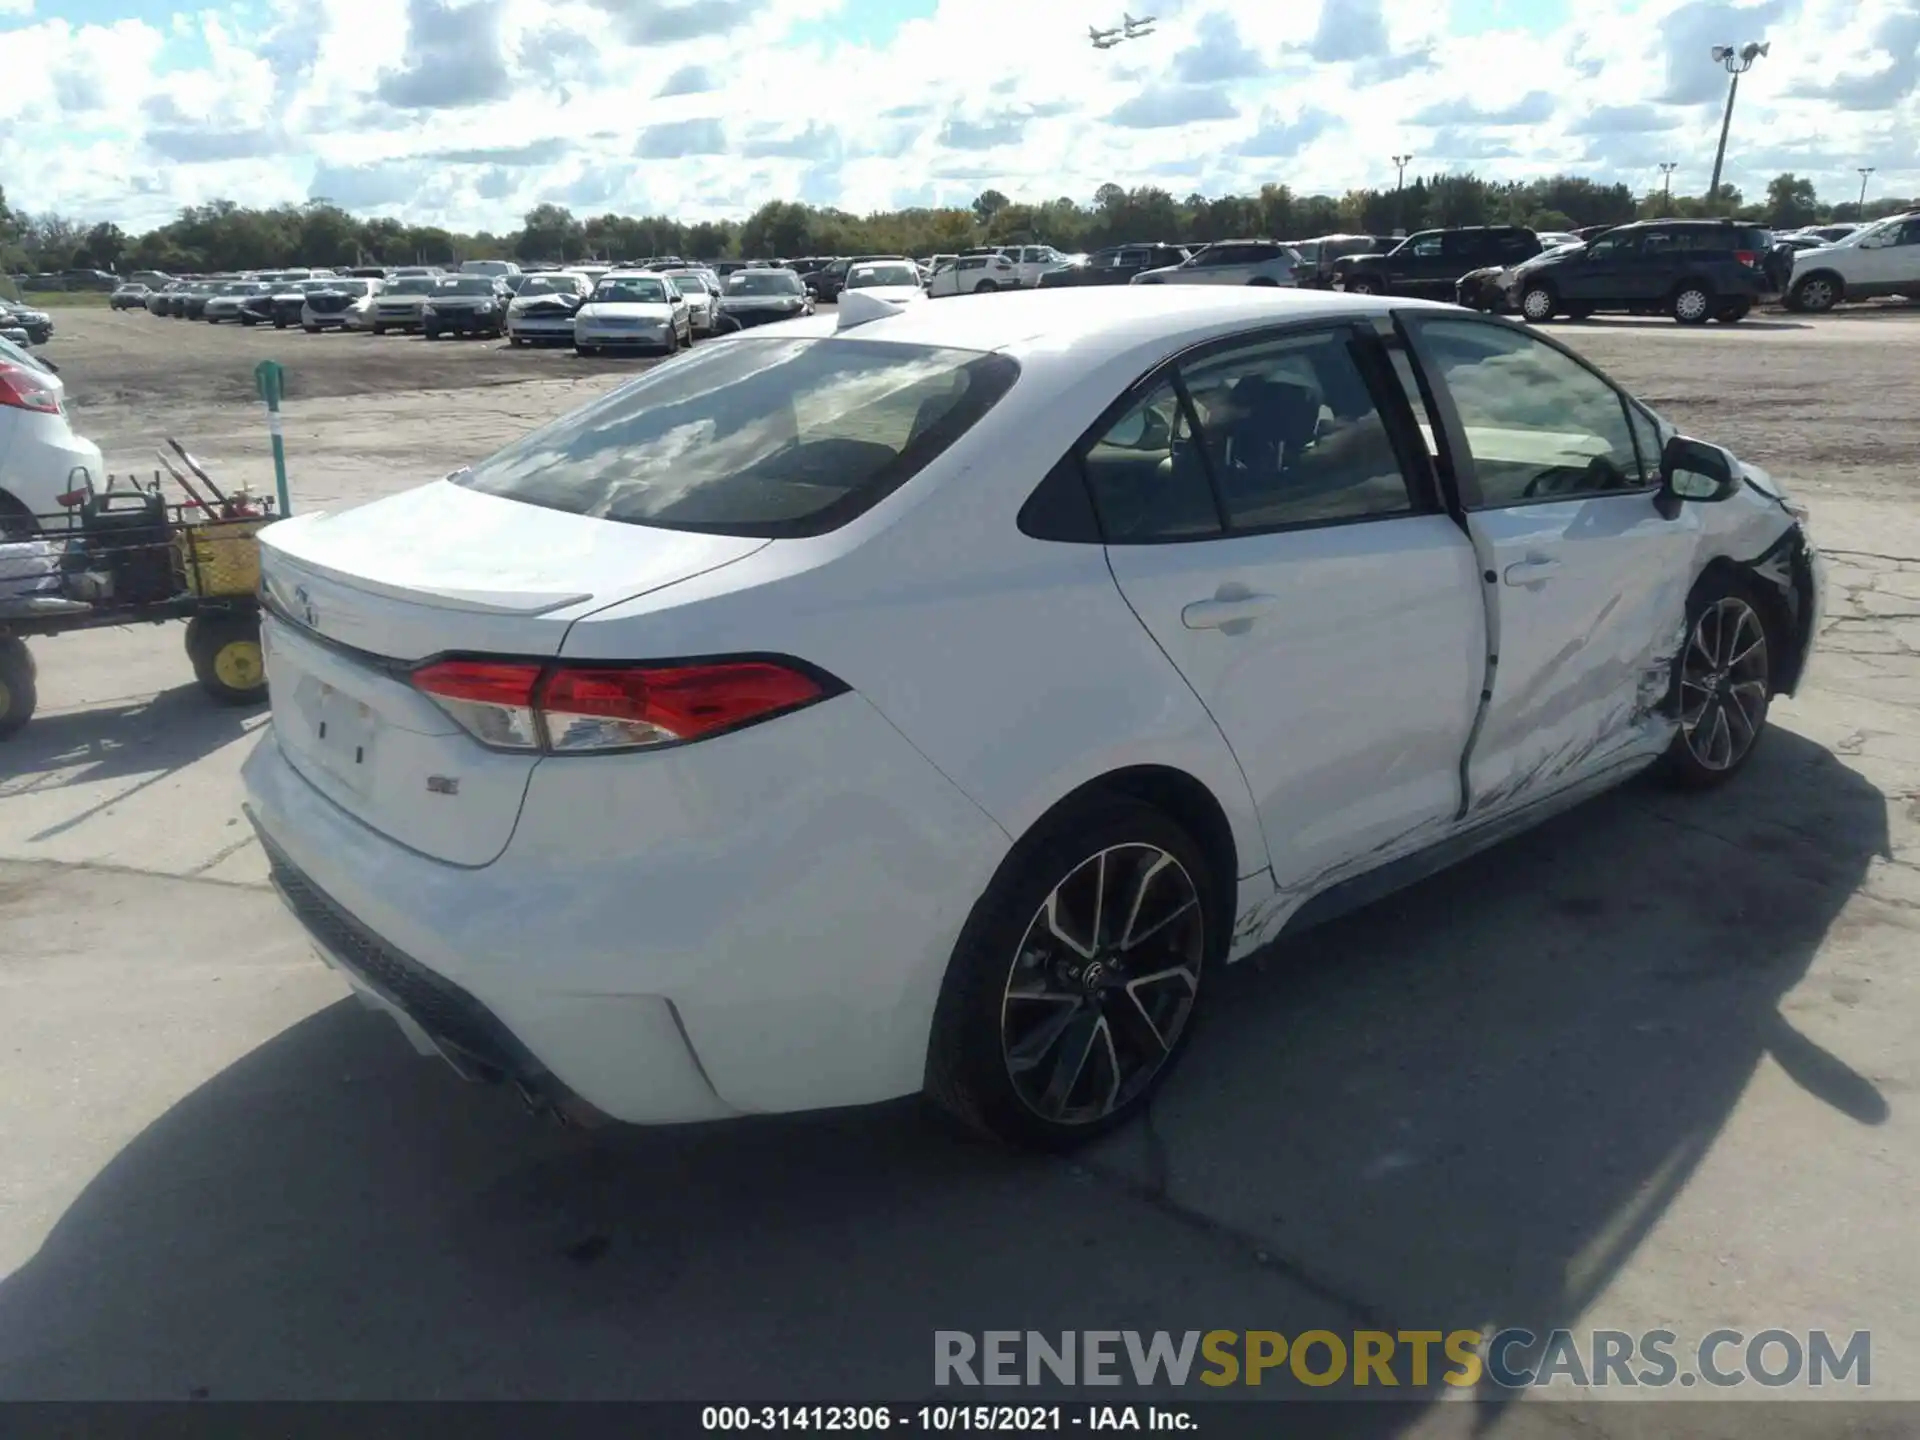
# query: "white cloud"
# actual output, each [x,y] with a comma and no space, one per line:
[468,112]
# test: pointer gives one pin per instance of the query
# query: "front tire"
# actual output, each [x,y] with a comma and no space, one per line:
[1815,295]
[1538,304]
[985,287]
[1361,285]
[18,693]
[1722,684]
[1071,993]
[1692,304]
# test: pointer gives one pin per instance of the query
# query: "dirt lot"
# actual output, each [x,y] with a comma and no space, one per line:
[1653,1065]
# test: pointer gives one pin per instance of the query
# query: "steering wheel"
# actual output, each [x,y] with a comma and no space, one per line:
[1599,474]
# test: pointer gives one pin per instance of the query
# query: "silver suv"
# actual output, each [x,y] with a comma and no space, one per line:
[1231,262]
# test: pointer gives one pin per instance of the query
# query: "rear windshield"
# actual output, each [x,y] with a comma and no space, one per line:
[465,285]
[762,437]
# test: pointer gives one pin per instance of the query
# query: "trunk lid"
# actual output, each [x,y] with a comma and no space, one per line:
[356,598]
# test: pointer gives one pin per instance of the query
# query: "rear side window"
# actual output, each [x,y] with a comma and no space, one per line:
[761,437]
[1268,435]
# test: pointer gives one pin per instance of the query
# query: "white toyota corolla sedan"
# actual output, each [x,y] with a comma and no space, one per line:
[932,697]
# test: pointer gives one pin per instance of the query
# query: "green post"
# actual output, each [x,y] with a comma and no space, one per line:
[271,378]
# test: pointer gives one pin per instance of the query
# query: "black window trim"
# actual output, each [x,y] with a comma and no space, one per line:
[1425,491]
[1450,433]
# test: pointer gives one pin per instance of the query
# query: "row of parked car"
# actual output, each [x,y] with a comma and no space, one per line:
[659,303]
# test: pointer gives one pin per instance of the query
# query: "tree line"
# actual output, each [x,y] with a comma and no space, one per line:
[225,235]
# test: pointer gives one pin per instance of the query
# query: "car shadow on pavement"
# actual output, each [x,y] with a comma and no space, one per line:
[1464,1106]
[145,738]
[1667,322]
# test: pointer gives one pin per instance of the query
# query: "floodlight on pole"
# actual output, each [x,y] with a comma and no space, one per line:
[1736,62]
[1667,167]
[1400,163]
[1865,171]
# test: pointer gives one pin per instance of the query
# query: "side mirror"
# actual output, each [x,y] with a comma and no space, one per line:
[1693,470]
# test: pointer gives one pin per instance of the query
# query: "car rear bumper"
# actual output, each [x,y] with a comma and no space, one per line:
[773,939]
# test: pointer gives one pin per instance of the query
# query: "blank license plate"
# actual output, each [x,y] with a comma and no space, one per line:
[342,733]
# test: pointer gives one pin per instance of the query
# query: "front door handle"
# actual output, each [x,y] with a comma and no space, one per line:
[1232,614]
[1532,572]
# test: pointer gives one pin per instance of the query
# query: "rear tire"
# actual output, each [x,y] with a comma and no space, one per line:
[311,329]
[1579,312]
[18,693]
[585,351]
[225,651]
[1734,312]
[985,287]
[1263,280]
[1133,1009]
[1362,285]
[379,329]
[279,322]
[1692,304]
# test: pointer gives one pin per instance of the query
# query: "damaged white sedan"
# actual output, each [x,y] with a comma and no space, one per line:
[933,697]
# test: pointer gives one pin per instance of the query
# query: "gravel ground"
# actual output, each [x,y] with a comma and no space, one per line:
[1652,1066]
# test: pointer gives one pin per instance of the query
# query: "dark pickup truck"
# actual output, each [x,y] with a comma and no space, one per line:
[1116,265]
[1693,270]
[1429,263]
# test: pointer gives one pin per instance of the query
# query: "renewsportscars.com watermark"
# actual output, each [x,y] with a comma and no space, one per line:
[1512,1359]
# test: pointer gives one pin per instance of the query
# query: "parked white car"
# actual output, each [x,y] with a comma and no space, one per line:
[701,287]
[345,304]
[225,303]
[402,302]
[1231,262]
[1876,260]
[41,458]
[973,275]
[938,701]
[1030,262]
[543,306]
[895,281]
[633,309]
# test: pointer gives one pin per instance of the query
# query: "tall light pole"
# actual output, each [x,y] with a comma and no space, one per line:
[1865,171]
[1667,167]
[1400,163]
[1736,63]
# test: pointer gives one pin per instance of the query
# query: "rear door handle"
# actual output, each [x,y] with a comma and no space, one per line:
[1532,572]
[1226,614]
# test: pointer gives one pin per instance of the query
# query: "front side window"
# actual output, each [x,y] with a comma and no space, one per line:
[1426,247]
[760,437]
[1539,425]
[1616,246]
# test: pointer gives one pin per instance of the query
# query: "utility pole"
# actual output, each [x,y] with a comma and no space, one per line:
[1736,64]
[1865,171]
[1667,167]
[1400,163]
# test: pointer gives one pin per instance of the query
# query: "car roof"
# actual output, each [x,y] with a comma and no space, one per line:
[1105,320]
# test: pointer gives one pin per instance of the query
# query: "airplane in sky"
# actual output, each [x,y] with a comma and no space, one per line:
[1103,39]
[1136,28]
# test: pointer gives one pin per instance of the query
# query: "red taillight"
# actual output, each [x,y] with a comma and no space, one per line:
[24,389]
[571,709]
[1747,258]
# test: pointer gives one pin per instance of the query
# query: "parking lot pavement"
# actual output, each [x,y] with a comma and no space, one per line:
[1651,1065]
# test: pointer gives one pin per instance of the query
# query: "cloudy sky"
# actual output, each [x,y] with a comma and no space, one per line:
[467,112]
